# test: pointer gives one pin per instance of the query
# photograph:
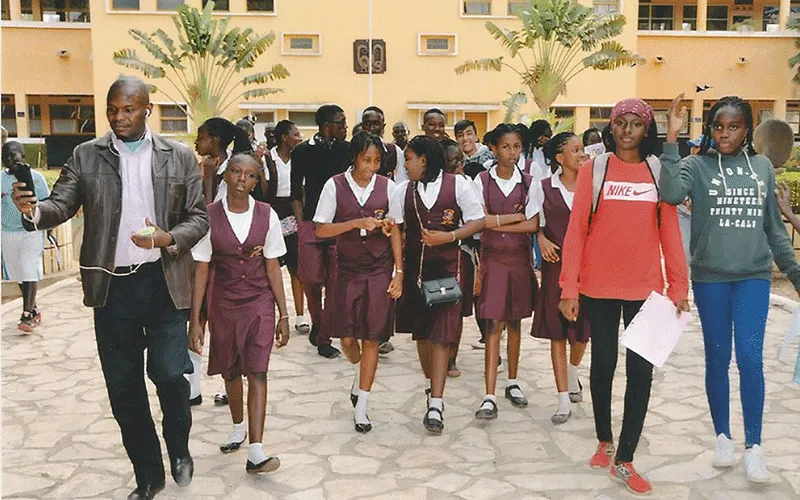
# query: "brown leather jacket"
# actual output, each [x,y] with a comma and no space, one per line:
[91,179]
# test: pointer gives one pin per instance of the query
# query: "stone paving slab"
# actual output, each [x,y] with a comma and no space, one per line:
[60,441]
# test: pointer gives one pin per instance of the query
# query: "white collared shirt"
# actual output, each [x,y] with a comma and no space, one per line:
[138,200]
[466,198]
[284,174]
[535,193]
[569,196]
[274,246]
[400,172]
[326,208]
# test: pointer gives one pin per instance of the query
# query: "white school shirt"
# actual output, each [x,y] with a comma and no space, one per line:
[466,198]
[138,200]
[569,196]
[535,193]
[284,173]
[222,189]
[400,172]
[274,246]
[326,207]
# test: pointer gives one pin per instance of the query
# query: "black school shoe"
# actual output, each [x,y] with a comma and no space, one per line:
[196,401]
[232,446]
[487,413]
[146,492]
[312,335]
[362,428]
[328,351]
[220,399]
[432,425]
[577,397]
[519,402]
[182,470]
[271,464]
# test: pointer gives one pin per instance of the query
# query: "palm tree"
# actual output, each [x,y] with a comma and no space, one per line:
[549,45]
[205,66]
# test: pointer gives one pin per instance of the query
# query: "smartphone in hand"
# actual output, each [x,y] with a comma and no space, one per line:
[23,174]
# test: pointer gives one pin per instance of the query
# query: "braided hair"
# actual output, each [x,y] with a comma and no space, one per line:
[737,103]
[555,146]
[227,132]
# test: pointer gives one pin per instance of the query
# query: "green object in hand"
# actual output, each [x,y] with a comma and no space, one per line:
[147,231]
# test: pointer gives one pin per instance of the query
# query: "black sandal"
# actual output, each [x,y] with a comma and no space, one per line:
[487,413]
[362,428]
[432,425]
[519,402]
[232,446]
[271,464]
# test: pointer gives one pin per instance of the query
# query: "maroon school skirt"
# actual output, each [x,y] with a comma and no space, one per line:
[438,324]
[241,336]
[316,258]
[467,284]
[360,305]
[508,287]
[548,323]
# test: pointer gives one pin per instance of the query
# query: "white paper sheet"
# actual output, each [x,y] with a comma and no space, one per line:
[655,330]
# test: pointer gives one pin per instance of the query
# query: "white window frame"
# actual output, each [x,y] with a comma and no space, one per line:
[422,49]
[286,49]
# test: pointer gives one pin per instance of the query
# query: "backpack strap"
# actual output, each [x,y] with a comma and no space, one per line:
[654,166]
[599,170]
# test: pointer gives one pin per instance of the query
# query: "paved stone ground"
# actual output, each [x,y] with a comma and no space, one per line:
[60,441]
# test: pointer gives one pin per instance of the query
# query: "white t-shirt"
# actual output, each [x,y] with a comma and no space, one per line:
[326,207]
[400,172]
[568,196]
[284,173]
[471,206]
[535,193]
[274,245]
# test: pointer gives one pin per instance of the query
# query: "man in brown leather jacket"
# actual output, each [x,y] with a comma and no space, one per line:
[138,284]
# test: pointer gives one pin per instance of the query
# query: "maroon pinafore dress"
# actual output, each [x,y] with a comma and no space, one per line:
[548,323]
[508,281]
[358,296]
[438,324]
[241,307]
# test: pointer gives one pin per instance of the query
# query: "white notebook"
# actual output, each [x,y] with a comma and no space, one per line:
[655,330]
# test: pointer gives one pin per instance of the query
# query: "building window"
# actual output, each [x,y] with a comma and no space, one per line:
[173,119]
[223,5]
[689,18]
[260,5]
[68,119]
[717,18]
[602,6]
[9,115]
[655,17]
[477,8]
[793,116]
[125,4]
[301,44]
[35,120]
[599,117]
[168,4]
[303,119]
[437,45]
[661,122]
[514,6]
[55,11]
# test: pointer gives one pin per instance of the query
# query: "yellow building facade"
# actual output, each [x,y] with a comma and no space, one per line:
[57,60]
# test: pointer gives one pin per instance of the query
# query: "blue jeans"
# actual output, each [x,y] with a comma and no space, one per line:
[734,310]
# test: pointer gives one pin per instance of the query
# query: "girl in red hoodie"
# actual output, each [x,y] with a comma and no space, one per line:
[610,269]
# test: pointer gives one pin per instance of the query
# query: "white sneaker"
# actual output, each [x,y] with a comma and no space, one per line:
[755,465]
[724,454]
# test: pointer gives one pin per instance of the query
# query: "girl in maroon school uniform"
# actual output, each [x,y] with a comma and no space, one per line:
[353,208]
[512,202]
[242,249]
[432,205]
[565,154]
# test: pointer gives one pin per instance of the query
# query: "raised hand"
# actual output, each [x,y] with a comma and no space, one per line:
[676,118]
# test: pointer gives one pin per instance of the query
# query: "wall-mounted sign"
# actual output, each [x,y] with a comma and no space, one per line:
[361,56]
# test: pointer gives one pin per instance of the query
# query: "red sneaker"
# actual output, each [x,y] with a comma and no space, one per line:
[602,457]
[625,473]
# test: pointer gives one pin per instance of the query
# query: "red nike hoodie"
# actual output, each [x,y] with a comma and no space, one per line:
[619,256]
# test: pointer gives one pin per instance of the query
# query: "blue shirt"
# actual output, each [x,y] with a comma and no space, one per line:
[11,217]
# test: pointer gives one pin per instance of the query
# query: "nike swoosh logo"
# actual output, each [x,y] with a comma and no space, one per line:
[639,193]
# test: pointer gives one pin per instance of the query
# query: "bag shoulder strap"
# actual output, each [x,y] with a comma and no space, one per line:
[599,170]
[654,167]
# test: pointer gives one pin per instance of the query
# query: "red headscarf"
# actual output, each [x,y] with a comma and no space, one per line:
[634,106]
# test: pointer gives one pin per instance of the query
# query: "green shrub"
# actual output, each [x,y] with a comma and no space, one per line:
[32,152]
[792,179]
[51,176]
[794,160]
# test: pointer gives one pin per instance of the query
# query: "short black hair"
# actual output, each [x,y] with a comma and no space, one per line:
[13,145]
[650,145]
[735,102]
[539,128]
[433,111]
[487,137]
[227,133]
[376,109]
[282,128]
[554,146]
[243,157]
[462,125]
[326,113]
[430,148]
[588,132]
[361,142]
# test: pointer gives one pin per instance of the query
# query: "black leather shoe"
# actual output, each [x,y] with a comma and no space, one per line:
[362,428]
[182,470]
[312,335]
[432,425]
[519,402]
[147,492]
[271,464]
[196,401]
[328,351]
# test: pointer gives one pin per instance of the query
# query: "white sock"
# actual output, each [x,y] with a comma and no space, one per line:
[564,405]
[572,378]
[489,397]
[361,407]
[224,391]
[356,381]
[256,453]
[239,432]
[300,320]
[515,392]
[194,378]
[437,403]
